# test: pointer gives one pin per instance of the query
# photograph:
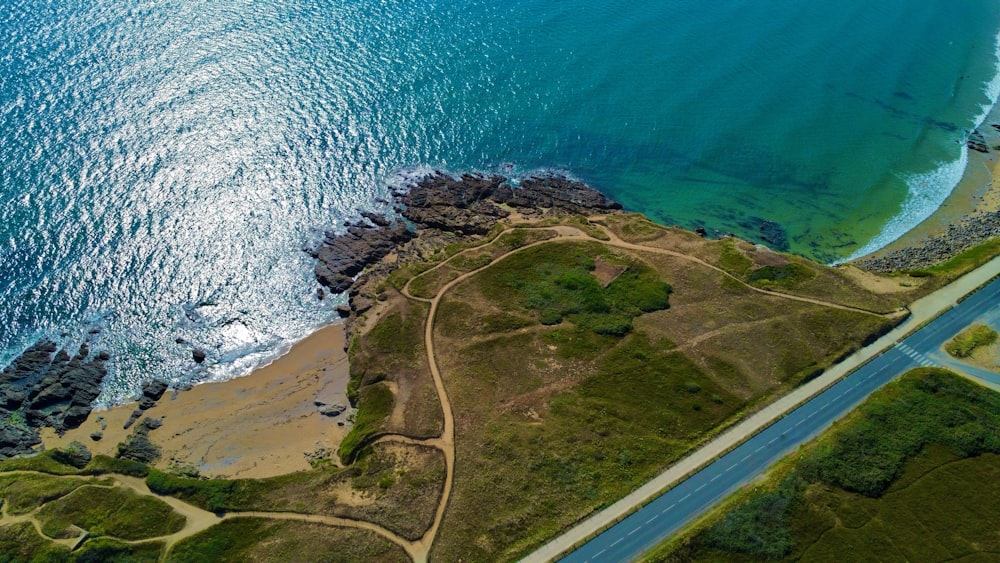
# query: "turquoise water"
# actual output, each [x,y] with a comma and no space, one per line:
[162,164]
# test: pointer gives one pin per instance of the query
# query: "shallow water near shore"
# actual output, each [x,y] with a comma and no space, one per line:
[163,164]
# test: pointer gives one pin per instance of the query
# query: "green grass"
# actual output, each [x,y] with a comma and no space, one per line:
[20,543]
[116,512]
[255,539]
[789,276]
[406,506]
[554,282]
[24,493]
[374,407]
[912,473]
[966,342]
[964,262]
[638,407]
[733,261]
[107,550]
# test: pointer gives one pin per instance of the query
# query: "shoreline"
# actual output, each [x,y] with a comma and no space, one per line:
[260,425]
[972,202]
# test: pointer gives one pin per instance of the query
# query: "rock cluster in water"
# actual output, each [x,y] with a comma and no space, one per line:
[43,387]
[934,250]
[469,205]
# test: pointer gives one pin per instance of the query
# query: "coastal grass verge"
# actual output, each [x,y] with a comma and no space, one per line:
[20,542]
[927,440]
[116,512]
[23,493]
[967,341]
[962,263]
[258,539]
[394,485]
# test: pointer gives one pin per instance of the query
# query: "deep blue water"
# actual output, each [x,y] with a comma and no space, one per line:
[163,163]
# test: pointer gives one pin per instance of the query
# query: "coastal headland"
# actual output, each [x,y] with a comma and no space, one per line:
[520,344]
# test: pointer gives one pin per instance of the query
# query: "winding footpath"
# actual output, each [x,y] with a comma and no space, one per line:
[198,520]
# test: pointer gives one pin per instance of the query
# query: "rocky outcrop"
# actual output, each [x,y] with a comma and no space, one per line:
[468,205]
[934,250]
[977,143]
[43,387]
[343,256]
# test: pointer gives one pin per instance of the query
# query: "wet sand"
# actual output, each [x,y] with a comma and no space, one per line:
[260,425]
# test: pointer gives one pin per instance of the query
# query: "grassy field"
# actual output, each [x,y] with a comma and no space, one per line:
[392,353]
[254,539]
[114,512]
[569,393]
[23,493]
[967,341]
[394,485]
[912,474]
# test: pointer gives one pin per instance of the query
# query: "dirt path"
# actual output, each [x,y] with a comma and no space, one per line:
[564,234]
[198,520]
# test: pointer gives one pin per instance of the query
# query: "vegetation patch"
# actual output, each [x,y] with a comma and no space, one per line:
[395,485]
[24,493]
[116,512]
[964,262]
[20,542]
[256,539]
[555,282]
[375,406]
[788,276]
[927,440]
[966,342]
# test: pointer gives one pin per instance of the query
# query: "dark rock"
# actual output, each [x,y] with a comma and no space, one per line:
[138,447]
[132,418]
[376,219]
[49,388]
[17,440]
[360,305]
[936,249]
[179,340]
[335,409]
[154,389]
[320,293]
[341,257]
[700,231]
[102,356]
[152,423]
[75,454]
[74,416]
[344,311]
[97,435]
[198,355]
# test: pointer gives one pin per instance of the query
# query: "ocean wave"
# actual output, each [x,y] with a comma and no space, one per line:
[928,191]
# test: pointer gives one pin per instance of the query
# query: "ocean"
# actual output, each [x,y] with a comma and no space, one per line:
[164,163]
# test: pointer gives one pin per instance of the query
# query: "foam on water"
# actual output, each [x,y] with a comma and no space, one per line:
[929,190]
[162,165]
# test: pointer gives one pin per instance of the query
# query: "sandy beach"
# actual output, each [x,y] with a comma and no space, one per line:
[977,193]
[260,425]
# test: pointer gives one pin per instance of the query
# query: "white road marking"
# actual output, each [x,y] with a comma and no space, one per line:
[746,457]
[598,554]
[685,498]
[667,509]
[617,541]
[758,449]
[637,528]
[655,516]
[713,479]
[731,467]
[699,488]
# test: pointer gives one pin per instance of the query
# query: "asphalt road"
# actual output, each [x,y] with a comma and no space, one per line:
[671,511]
